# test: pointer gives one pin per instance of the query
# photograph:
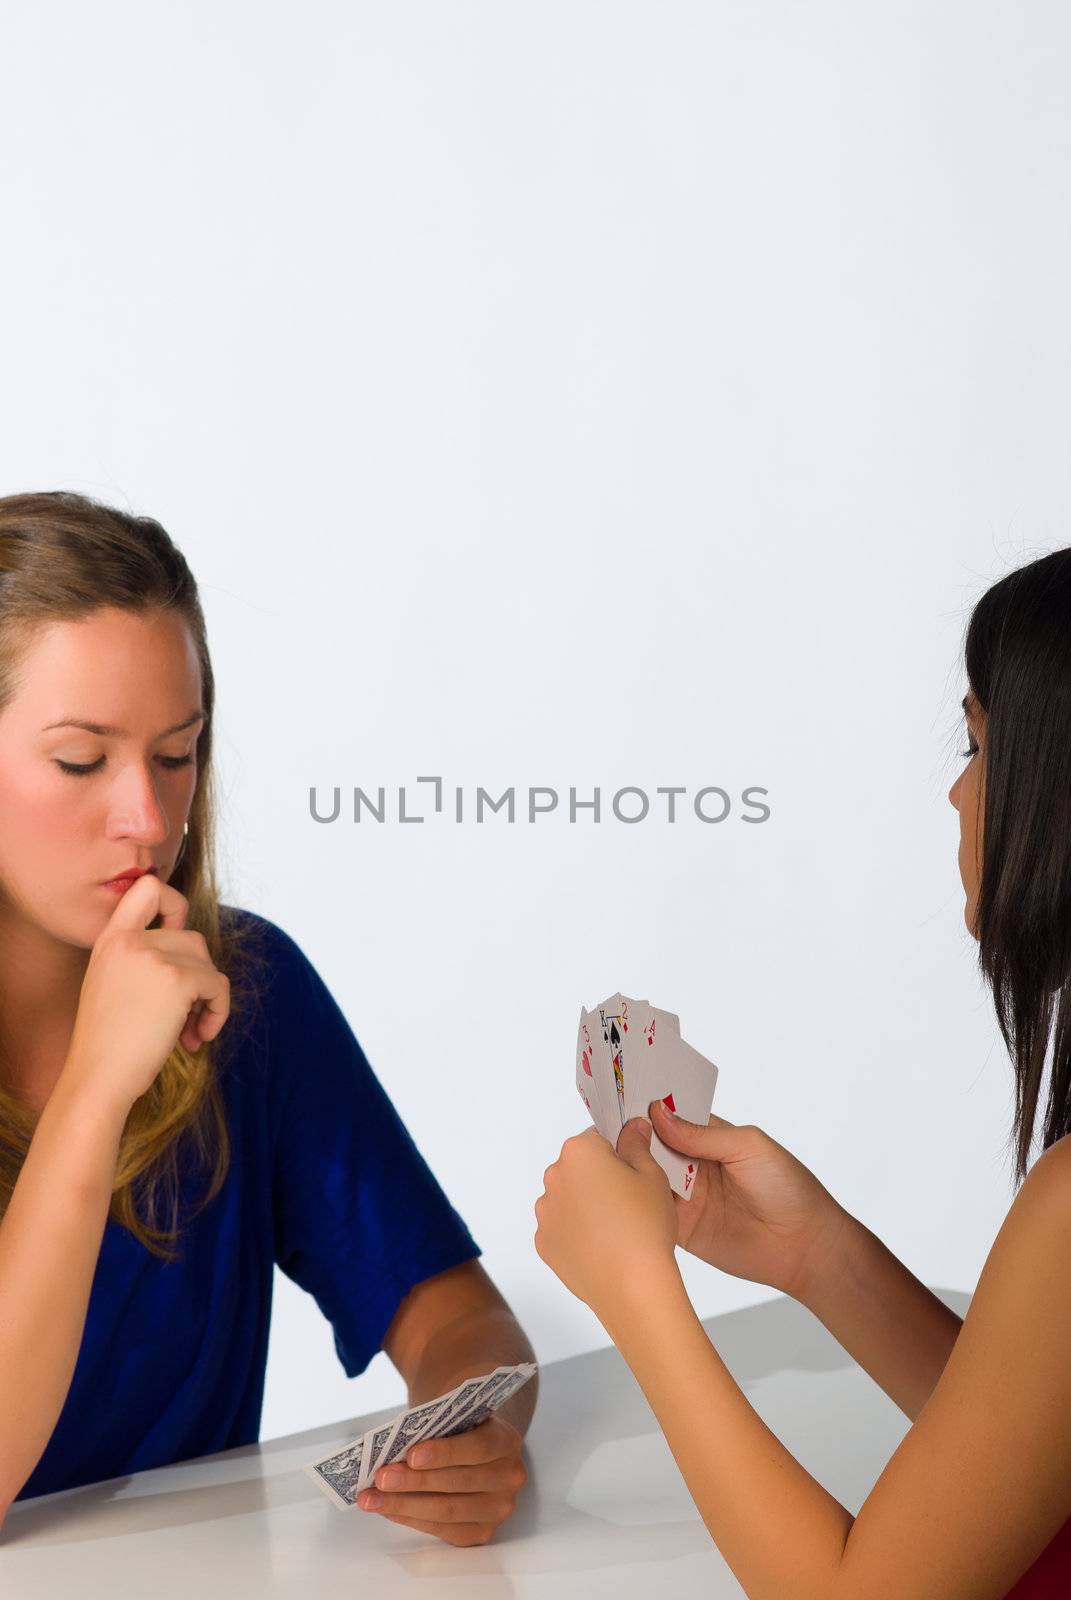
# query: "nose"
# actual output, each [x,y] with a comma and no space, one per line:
[953,793]
[136,812]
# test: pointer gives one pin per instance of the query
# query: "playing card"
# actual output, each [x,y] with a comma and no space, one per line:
[344,1473]
[457,1404]
[630,1053]
[375,1441]
[337,1474]
[685,1081]
[411,1426]
[458,1410]
[503,1382]
[644,1040]
[616,1016]
[590,1069]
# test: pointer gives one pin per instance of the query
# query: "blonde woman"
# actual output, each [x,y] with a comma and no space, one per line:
[182,1103]
[975,1503]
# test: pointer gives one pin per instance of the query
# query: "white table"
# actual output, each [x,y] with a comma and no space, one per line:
[605,1511]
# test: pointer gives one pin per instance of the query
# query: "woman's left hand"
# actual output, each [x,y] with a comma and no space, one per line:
[460,1489]
[606,1219]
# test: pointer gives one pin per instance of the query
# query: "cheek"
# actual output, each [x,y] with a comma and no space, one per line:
[47,831]
[974,800]
[38,810]
[970,852]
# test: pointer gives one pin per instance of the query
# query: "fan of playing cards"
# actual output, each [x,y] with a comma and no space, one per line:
[345,1473]
[629,1053]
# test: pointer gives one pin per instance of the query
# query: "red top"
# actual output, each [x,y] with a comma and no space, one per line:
[1050,1576]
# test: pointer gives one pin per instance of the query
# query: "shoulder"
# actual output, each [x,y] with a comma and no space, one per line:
[1054,1165]
[282,1011]
[250,928]
[1031,1254]
[1044,1198]
[1025,1283]
[272,979]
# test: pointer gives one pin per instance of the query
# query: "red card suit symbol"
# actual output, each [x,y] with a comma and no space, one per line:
[650,1031]
[587,1064]
[688,1176]
[668,1101]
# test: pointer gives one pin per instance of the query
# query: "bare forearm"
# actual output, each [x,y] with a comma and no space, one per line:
[895,1328]
[49,1244]
[780,1531]
[471,1344]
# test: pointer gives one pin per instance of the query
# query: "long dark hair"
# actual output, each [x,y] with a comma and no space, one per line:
[1018,659]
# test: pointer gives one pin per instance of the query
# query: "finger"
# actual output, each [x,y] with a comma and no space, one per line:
[148,897]
[634,1144]
[215,1004]
[211,1002]
[485,1442]
[719,1140]
[495,1477]
[439,1507]
[673,1118]
[187,943]
[452,1532]
[190,1037]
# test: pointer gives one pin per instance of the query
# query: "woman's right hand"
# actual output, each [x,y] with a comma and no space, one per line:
[755,1211]
[144,990]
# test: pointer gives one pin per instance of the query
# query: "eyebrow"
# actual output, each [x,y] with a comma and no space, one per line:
[118,733]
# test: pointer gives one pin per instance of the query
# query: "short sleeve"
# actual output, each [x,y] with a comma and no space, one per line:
[358,1216]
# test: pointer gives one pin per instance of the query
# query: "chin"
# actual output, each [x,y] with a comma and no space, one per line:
[79,931]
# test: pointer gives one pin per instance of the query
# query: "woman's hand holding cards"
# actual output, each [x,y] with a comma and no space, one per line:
[607,1223]
[460,1489]
[755,1211]
[624,1194]
[450,1465]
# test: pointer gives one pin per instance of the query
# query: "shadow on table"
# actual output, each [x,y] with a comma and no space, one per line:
[585,1397]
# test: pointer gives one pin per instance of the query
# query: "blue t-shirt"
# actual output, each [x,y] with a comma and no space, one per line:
[324,1179]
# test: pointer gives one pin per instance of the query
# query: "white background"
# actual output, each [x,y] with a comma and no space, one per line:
[575,394]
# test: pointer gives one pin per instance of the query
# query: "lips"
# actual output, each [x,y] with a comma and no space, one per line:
[130,875]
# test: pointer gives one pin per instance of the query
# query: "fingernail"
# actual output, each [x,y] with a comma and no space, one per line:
[419,1458]
[390,1478]
[369,1500]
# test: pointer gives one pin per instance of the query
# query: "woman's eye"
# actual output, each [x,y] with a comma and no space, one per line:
[81,769]
[971,750]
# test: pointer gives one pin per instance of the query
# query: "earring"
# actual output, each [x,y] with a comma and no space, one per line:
[182,846]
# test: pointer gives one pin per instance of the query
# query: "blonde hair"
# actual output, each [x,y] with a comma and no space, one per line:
[62,556]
